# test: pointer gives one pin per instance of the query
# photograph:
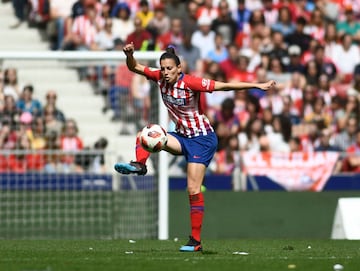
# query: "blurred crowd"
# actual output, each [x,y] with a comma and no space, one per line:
[38,137]
[310,47]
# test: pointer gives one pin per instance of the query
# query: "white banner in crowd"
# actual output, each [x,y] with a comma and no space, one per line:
[297,171]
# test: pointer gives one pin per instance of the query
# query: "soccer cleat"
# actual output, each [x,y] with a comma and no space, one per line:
[191,246]
[132,167]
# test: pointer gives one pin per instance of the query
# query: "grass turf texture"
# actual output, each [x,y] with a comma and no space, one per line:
[286,254]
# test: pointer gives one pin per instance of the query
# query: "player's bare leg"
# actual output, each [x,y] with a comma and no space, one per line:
[139,166]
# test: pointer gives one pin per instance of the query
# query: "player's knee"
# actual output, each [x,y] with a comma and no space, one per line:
[193,188]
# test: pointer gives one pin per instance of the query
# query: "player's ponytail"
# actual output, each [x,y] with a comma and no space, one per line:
[170,53]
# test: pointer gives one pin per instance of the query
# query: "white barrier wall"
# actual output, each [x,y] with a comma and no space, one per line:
[347,219]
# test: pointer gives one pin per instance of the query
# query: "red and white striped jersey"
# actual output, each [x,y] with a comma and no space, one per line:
[86,29]
[183,102]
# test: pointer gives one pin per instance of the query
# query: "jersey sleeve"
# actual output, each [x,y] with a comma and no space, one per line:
[199,84]
[152,74]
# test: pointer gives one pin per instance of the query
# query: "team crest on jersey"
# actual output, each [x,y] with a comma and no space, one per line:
[205,83]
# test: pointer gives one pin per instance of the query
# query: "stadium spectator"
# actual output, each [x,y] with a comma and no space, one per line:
[249,140]
[295,65]
[207,10]
[271,13]
[51,98]
[352,107]
[285,23]
[352,162]
[176,8]
[226,159]
[308,97]
[309,136]
[53,157]
[350,25]
[241,73]
[325,89]
[59,22]
[331,40]
[145,14]
[8,135]
[290,111]
[253,107]
[190,54]
[310,53]
[338,113]
[70,142]
[52,123]
[230,64]
[172,37]
[119,93]
[78,8]
[1,84]
[298,37]
[140,36]
[11,85]
[311,72]
[280,134]
[204,37]
[93,159]
[267,116]
[10,114]
[123,24]
[105,38]
[253,5]
[325,142]
[346,56]
[256,26]
[224,24]
[226,122]
[295,144]
[354,88]
[25,160]
[279,49]
[220,52]
[319,113]
[316,26]
[160,24]
[240,100]
[19,10]
[347,137]
[253,53]
[27,103]
[37,134]
[189,19]
[140,96]
[277,71]
[241,15]
[301,9]
[214,100]
[84,29]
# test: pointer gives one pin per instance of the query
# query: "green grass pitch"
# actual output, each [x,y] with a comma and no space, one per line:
[219,255]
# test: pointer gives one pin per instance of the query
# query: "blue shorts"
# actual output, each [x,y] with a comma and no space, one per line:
[199,149]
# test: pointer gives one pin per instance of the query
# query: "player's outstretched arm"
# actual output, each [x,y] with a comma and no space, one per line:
[221,86]
[131,62]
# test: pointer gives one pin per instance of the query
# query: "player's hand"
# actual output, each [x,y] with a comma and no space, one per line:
[129,49]
[268,85]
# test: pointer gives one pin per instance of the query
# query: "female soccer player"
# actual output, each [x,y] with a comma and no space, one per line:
[194,137]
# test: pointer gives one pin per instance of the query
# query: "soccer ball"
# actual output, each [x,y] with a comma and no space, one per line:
[153,137]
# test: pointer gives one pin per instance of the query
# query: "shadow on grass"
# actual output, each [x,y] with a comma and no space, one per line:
[209,252]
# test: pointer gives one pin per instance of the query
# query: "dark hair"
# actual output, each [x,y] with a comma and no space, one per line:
[170,53]
[30,88]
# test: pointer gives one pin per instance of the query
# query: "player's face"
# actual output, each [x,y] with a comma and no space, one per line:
[169,70]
